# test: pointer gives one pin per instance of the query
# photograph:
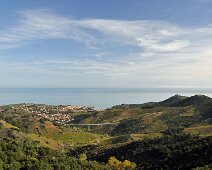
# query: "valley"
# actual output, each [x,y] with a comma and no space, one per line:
[175,133]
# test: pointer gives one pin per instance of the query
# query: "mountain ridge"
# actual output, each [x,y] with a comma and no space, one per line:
[147,129]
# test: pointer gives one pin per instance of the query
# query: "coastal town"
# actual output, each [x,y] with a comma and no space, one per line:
[59,114]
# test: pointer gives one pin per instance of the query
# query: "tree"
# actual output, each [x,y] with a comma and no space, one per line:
[129,165]
[118,165]
[114,163]
[1,164]
[83,157]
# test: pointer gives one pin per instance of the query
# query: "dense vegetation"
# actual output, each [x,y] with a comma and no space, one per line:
[27,154]
[171,152]
[173,134]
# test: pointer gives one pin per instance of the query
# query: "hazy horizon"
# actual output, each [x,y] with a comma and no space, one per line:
[100,98]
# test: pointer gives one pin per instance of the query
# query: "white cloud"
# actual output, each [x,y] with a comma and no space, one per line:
[36,25]
[165,51]
[100,54]
[175,45]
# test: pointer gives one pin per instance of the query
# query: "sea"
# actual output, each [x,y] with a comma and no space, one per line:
[99,98]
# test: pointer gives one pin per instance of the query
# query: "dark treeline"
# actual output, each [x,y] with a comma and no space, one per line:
[170,152]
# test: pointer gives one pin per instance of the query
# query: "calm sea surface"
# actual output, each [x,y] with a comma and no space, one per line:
[99,98]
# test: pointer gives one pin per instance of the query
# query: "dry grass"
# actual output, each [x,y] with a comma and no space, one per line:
[7,125]
[145,136]
[47,142]
[202,130]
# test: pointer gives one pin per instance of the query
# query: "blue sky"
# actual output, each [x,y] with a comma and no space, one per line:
[98,43]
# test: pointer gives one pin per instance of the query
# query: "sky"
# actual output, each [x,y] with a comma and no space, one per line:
[106,43]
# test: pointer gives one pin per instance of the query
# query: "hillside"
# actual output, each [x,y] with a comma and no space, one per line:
[175,113]
[172,101]
[153,135]
[170,152]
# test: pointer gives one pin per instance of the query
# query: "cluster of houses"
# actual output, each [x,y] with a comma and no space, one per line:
[60,114]
[76,109]
[51,109]
[58,117]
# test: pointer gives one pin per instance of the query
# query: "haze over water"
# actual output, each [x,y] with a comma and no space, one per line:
[100,98]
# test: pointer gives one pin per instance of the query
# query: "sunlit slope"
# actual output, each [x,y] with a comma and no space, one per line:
[175,113]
